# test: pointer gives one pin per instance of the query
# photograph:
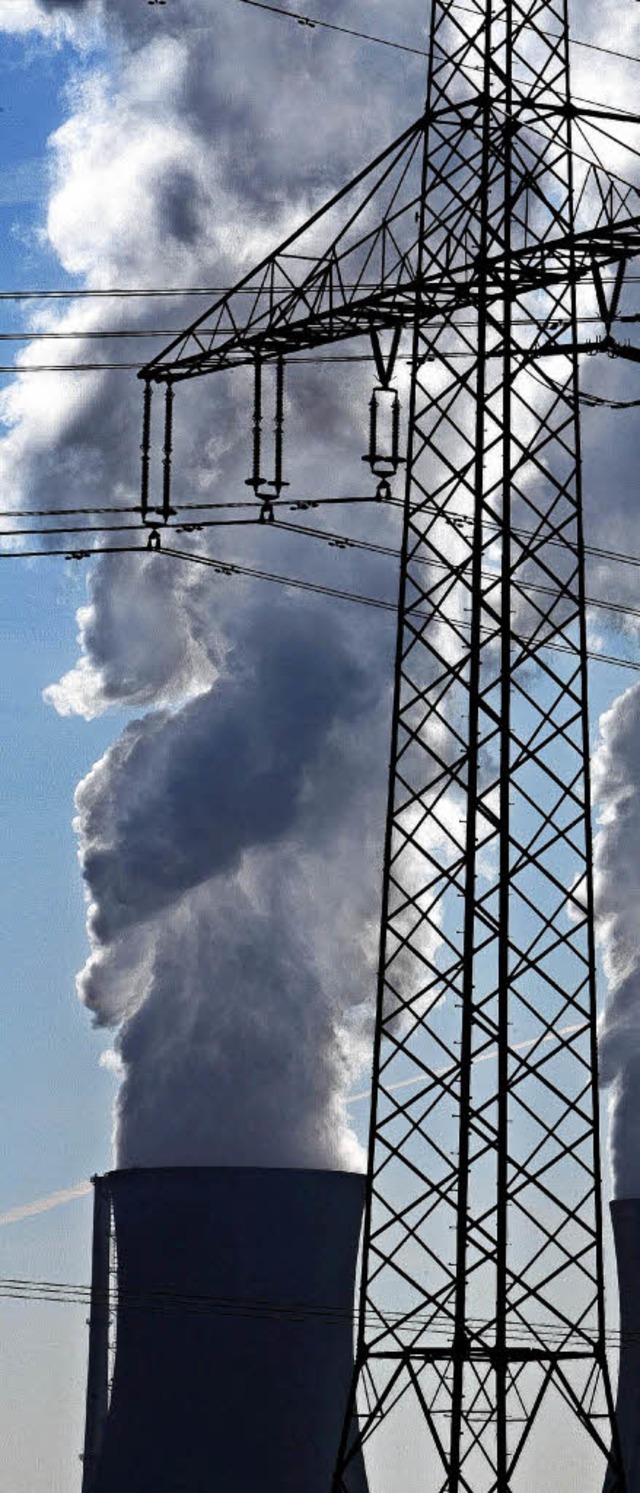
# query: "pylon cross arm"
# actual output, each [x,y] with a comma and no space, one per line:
[365,279]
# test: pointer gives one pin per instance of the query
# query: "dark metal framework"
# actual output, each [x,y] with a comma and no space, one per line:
[475,233]
[100,1332]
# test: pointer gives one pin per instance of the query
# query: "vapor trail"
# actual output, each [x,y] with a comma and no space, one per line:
[485,1057]
[43,1205]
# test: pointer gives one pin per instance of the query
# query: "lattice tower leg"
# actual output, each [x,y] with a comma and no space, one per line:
[482,1288]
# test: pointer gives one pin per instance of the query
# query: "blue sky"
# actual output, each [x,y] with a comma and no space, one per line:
[55,1099]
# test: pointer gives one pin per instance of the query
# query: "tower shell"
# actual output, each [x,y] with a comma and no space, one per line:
[625,1218]
[234,1342]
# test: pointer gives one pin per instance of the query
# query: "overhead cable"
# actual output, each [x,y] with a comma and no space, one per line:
[122,333]
[595,400]
[344,541]
[329,537]
[312,22]
[297,505]
[142,293]
[110,367]
[384,41]
[232,569]
[172,1301]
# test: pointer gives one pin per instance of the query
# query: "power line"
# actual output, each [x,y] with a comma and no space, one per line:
[103,333]
[456,516]
[312,22]
[329,537]
[171,1301]
[293,505]
[574,41]
[232,568]
[110,367]
[383,41]
[148,292]
[68,367]
[594,400]
[120,333]
[598,551]
[210,523]
[344,541]
[142,293]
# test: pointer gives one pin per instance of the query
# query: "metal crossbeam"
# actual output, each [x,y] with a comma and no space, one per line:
[367,275]
[289,320]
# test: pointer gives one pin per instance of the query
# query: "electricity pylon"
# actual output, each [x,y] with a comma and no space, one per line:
[475,237]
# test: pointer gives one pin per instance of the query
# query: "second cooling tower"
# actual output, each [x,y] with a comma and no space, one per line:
[625,1217]
[234,1332]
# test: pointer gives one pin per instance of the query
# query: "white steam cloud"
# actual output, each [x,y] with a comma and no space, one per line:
[206,836]
[230,839]
[617,866]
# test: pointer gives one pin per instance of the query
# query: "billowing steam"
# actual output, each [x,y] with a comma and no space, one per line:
[204,836]
[230,838]
[617,789]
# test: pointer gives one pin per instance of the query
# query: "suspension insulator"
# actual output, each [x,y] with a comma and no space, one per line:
[383,455]
[166,510]
[256,481]
[146,450]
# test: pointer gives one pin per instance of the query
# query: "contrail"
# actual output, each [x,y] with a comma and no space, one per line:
[42,1205]
[54,1199]
[485,1057]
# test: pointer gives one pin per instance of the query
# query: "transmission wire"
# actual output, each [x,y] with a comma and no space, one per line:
[231,569]
[330,537]
[457,516]
[312,22]
[170,1301]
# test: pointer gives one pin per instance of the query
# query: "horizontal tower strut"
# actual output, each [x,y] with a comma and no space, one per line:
[291,326]
[353,265]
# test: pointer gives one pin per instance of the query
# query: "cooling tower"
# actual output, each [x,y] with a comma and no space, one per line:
[234,1331]
[625,1216]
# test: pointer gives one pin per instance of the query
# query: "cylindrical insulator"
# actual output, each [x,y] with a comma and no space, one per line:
[278,483]
[256,481]
[145,449]
[167,510]
[383,455]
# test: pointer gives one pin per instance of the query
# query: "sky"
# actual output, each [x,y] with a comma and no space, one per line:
[172,145]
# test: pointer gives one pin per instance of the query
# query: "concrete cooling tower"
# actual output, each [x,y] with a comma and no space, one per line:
[234,1330]
[625,1216]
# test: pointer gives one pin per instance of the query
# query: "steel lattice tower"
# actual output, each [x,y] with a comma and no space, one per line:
[482,1279]
[489,896]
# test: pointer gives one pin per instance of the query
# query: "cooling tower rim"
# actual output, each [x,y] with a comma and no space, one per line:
[210,1171]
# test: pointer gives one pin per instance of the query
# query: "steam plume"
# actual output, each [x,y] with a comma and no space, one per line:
[204,835]
[617,784]
[229,838]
